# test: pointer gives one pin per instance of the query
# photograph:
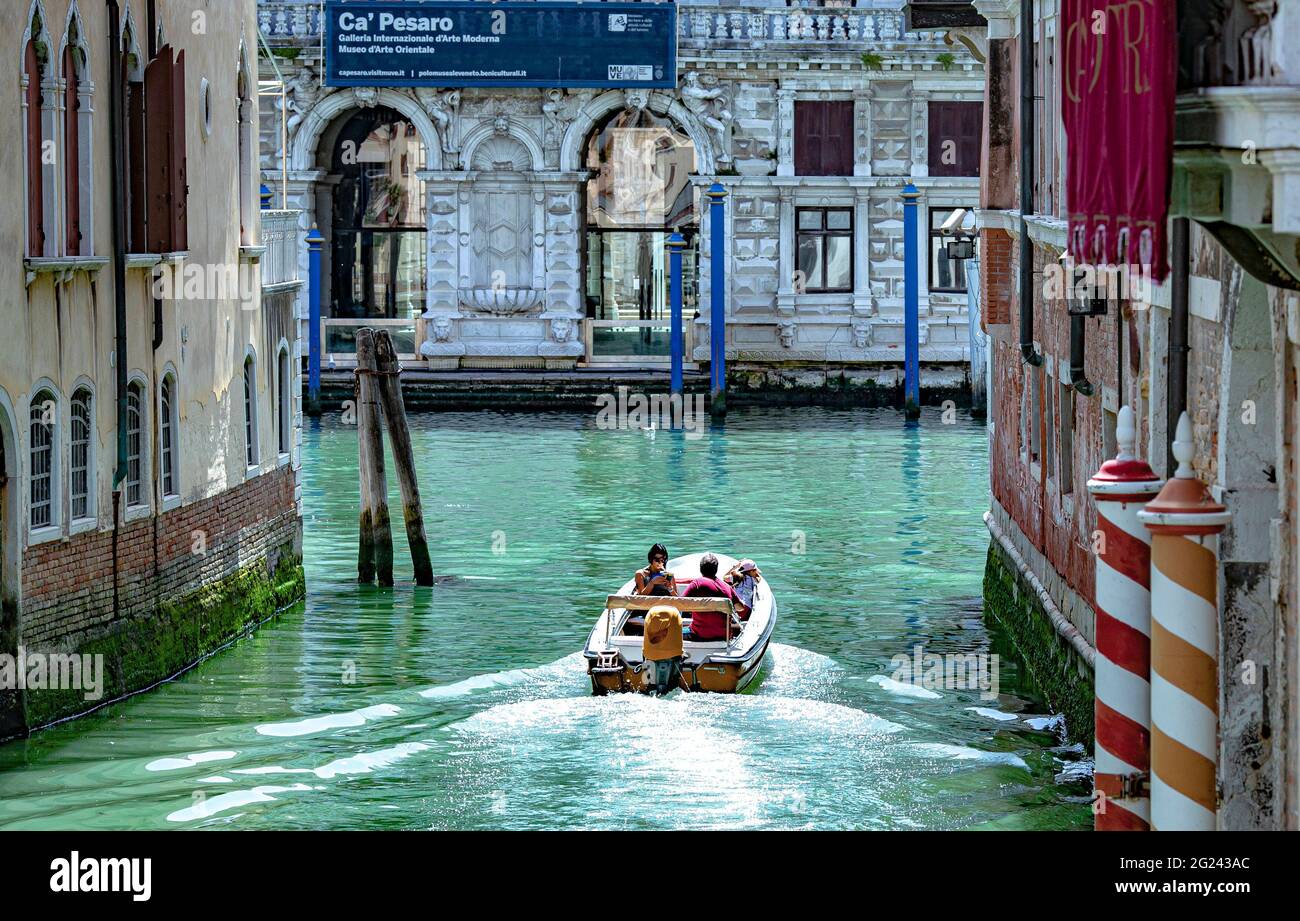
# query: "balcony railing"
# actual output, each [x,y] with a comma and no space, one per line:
[299,22]
[280,235]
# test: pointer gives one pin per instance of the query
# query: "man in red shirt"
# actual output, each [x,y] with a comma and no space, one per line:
[709,625]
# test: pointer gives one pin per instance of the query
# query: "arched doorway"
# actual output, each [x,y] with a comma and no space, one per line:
[640,191]
[377,242]
[11,709]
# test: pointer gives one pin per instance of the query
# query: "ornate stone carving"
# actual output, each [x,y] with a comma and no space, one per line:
[443,109]
[438,342]
[302,92]
[708,102]
[367,97]
[786,330]
[502,302]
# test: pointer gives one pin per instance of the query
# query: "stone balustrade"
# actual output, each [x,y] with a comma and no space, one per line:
[280,236]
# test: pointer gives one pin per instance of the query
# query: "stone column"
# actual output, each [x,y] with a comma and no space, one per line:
[1185,523]
[1121,489]
[785,252]
[862,131]
[920,132]
[785,132]
[861,252]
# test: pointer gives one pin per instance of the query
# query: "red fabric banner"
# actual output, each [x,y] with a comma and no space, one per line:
[1119,73]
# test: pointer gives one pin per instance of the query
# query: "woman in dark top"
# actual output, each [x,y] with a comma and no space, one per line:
[655,579]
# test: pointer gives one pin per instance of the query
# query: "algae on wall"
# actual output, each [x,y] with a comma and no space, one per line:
[1062,677]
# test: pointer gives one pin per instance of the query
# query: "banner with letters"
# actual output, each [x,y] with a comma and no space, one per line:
[1117,96]
[551,44]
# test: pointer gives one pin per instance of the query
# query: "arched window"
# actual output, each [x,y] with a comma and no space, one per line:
[244,113]
[77,126]
[135,495]
[284,402]
[167,431]
[36,60]
[81,470]
[44,427]
[250,412]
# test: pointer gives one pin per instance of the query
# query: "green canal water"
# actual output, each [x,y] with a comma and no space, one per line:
[467,706]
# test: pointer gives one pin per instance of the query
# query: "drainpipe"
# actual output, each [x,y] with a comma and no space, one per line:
[1078,380]
[119,232]
[1176,401]
[1027,184]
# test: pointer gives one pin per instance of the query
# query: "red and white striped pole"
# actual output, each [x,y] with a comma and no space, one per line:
[1185,523]
[1122,712]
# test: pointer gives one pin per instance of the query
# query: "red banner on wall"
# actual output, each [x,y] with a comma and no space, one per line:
[1119,78]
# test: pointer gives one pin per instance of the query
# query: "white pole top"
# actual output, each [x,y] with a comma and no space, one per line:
[1126,434]
[1183,447]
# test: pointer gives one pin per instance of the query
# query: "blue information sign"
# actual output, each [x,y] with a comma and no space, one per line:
[500,44]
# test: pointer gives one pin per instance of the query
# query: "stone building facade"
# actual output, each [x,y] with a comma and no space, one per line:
[535,251]
[153,557]
[1235,158]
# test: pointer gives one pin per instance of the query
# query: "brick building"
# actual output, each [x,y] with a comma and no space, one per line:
[149,424]
[1231,299]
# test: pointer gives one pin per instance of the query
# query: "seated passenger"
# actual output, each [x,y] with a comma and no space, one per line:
[709,625]
[655,579]
[744,578]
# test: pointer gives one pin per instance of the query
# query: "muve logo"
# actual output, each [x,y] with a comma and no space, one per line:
[103,874]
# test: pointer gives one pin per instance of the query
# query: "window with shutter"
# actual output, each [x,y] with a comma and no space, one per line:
[72,150]
[158,152]
[179,180]
[956,130]
[823,138]
[35,180]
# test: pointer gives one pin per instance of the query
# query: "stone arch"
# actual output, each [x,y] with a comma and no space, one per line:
[131,47]
[75,24]
[36,13]
[11,711]
[327,110]
[486,134]
[574,145]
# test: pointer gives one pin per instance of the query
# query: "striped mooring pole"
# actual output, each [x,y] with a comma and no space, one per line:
[1185,523]
[1122,711]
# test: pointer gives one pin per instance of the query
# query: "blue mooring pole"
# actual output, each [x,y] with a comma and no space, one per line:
[718,297]
[676,243]
[911,307]
[314,241]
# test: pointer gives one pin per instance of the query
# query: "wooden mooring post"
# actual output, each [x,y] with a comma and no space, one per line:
[390,392]
[375,552]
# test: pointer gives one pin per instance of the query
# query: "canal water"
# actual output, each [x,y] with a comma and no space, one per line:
[467,706]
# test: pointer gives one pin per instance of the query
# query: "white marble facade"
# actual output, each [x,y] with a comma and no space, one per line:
[506,182]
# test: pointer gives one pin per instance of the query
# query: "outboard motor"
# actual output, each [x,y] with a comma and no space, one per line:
[661,650]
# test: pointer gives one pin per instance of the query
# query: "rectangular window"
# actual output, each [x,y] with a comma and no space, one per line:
[823,138]
[1049,410]
[79,468]
[42,461]
[956,132]
[250,421]
[945,274]
[134,447]
[167,436]
[824,241]
[285,399]
[1067,438]
[164,126]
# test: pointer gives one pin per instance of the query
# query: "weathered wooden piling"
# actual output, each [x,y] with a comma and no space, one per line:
[375,556]
[390,393]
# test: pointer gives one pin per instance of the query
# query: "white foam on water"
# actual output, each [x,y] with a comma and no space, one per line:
[796,672]
[316,724]
[218,804]
[185,761]
[1046,723]
[965,753]
[990,713]
[903,688]
[541,678]
[1075,771]
[363,763]
[217,778]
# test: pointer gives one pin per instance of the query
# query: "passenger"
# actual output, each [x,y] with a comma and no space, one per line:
[655,579]
[744,578]
[709,625]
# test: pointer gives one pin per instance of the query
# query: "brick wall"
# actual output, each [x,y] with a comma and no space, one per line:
[68,584]
[997,283]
